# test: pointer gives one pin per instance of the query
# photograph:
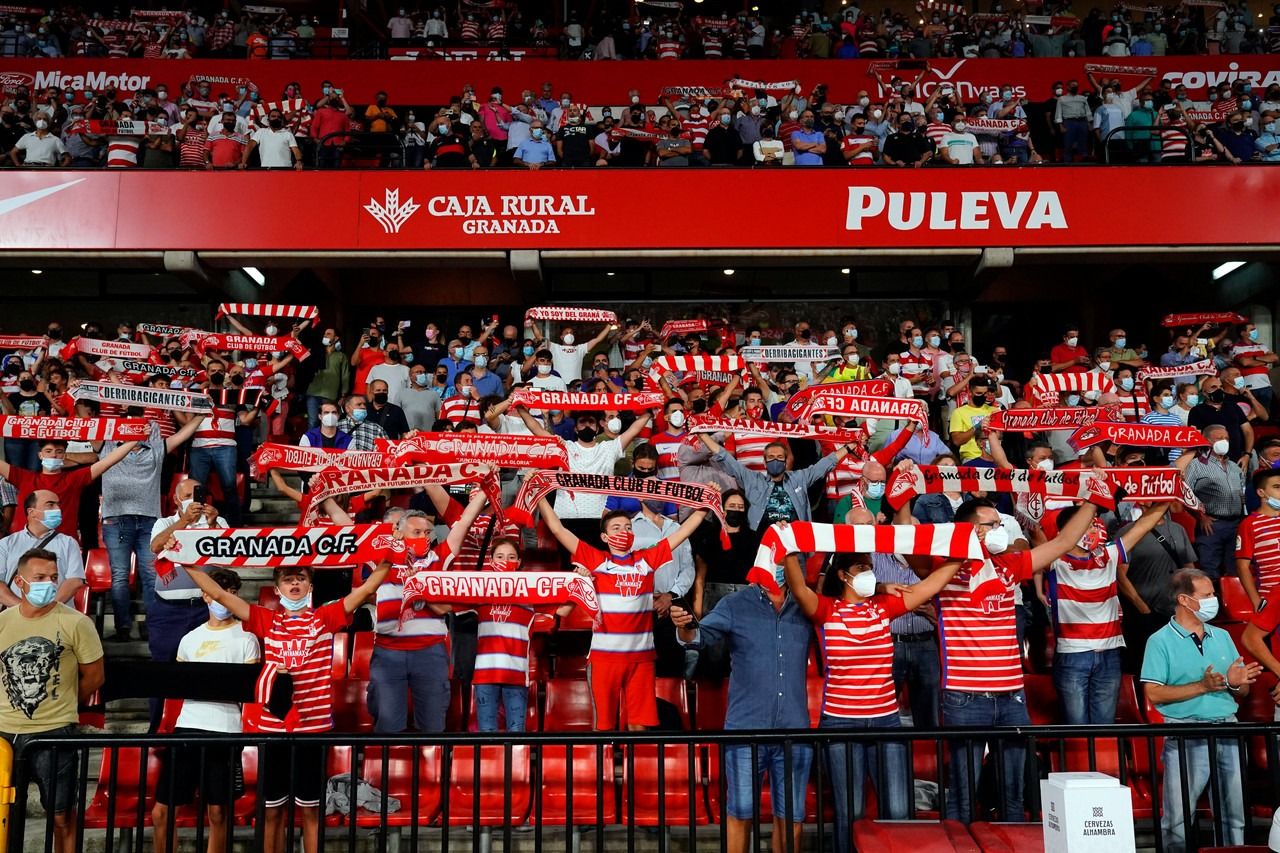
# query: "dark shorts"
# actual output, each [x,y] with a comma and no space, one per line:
[54,774]
[304,780]
[220,780]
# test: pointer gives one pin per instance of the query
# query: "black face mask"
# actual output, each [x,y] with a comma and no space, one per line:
[276,124]
[380,399]
[394,355]
[237,380]
[217,378]
[735,517]
[55,334]
[1215,396]
[441,377]
[27,385]
[957,346]
[979,399]
[643,475]
[586,434]
[464,339]
[699,406]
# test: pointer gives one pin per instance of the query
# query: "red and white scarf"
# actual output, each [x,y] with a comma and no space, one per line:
[74,429]
[1153,485]
[316,546]
[1048,419]
[146,397]
[1108,68]
[128,127]
[163,330]
[22,343]
[1046,387]
[619,132]
[1136,435]
[788,354]
[958,541]
[566,401]
[994,125]
[1213,318]
[747,427]
[264,309]
[1070,484]
[539,484]
[860,387]
[288,457]
[850,406]
[253,343]
[725,364]
[105,349]
[531,589]
[698,92]
[1203,367]
[682,327]
[498,450]
[571,314]
[138,371]
[332,482]
[777,86]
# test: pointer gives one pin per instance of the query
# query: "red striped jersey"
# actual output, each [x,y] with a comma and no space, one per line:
[1135,404]
[468,559]
[1241,351]
[867,157]
[459,409]
[502,644]
[712,47]
[122,151]
[668,446]
[423,628]
[469,30]
[497,31]
[1258,539]
[696,127]
[843,478]
[217,430]
[858,652]
[785,130]
[164,418]
[668,49]
[191,149]
[979,639]
[935,130]
[624,587]
[1173,143]
[302,644]
[1086,601]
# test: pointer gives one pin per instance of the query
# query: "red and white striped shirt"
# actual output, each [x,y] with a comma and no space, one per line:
[1173,143]
[303,644]
[469,555]
[217,430]
[459,409]
[696,129]
[423,628]
[1258,539]
[858,651]
[844,477]
[865,158]
[1086,601]
[668,49]
[980,638]
[502,644]
[1242,351]
[668,446]
[624,588]
[914,364]
[1134,404]
[122,151]
[935,130]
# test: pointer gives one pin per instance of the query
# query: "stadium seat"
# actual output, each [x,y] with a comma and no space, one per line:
[399,782]
[269,598]
[97,576]
[1234,601]
[1007,837]
[1128,709]
[129,805]
[674,694]
[815,688]
[486,780]
[913,836]
[350,706]
[80,601]
[361,654]
[644,804]
[569,709]
[341,655]
[1042,699]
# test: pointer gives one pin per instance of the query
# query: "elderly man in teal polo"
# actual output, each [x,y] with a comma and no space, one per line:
[1194,675]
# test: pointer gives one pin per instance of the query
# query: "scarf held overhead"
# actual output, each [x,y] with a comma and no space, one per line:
[850,406]
[262,309]
[861,388]
[1204,367]
[530,589]
[570,314]
[288,457]
[332,482]
[315,546]
[1047,419]
[74,429]
[1211,318]
[498,450]
[748,427]
[253,343]
[1077,485]
[788,354]
[566,401]
[1136,435]
[1048,386]
[146,397]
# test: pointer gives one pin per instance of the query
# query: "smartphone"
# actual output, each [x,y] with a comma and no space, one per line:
[198,494]
[404,324]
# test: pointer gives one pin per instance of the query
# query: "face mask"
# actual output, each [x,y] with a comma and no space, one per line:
[41,593]
[1253,334]
[586,434]
[421,380]
[775,467]
[296,605]
[1221,446]
[1193,400]
[1045,464]
[620,543]
[27,385]
[1120,342]
[1072,341]
[894,369]
[326,341]
[960,126]
[381,399]
[481,361]
[51,465]
[1073,399]
[996,540]
[852,358]
[53,518]
[218,611]
[329,419]
[544,369]
[614,425]
[459,352]
[677,418]
[831,341]
[1166,402]
[568,339]
[979,399]
[1214,396]
[934,340]
[1269,127]
[735,517]
[528,351]
[864,584]
[359,415]
[1274,503]
[793,115]
[272,331]
[1208,608]
[41,125]
[875,491]
[1126,383]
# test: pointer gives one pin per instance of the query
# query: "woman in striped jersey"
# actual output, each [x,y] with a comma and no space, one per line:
[502,650]
[852,621]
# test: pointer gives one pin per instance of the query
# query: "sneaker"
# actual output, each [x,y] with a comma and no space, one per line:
[122,637]
[142,631]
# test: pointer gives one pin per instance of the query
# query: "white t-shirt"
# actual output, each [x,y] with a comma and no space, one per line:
[395,375]
[550,382]
[567,360]
[46,151]
[960,146]
[599,458]
[232,644]
[274,147]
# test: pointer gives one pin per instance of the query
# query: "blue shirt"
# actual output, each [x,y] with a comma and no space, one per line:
[488,385]
[890,568]
[1174,658]
[536,151]
[453,366]
[768,658]
[631,506]
[807,158]
[916,450]
[1261,143]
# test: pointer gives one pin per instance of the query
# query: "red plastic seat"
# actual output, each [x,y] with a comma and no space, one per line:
[122,808]
[269,598]
[1128,709]
[1008,837]
[1042,699]
[913,836]
[361,654]
[491,808]
[97,570]
[350,705]
[1234,601]
[80,602]
[569,709]
[398,783]
[815,687]
[341,655]
[682,792]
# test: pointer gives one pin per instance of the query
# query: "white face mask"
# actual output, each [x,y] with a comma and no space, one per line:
[864,584]
[568,339]
[544,369]
[614,425]
[996,540]
[1072,341]
[329,419]
[1045,464]
[894,369]
[677,418]
[852,358]
[1221,446]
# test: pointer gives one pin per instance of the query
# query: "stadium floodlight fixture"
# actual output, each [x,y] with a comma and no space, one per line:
[728,272]
[1223,270]
[844,270]
[255,274]
[37,272]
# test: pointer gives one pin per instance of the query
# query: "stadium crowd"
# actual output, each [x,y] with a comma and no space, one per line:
[655,31]
[200,125]
[1122,583]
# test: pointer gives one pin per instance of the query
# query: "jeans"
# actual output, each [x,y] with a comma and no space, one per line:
[742,779]
[167,623]
[1264,396]
[848,765]
[1217,550]
[396,673]
[1075,139]
[128,538]
[22,452]
[220,461]
[329,157]
[512,698]
[960,709]
[1230,806]
[414,156]
[1089,684]
[313,410]
[915,664]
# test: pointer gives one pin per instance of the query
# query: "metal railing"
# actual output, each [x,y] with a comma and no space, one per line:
[668,785]
[1154,143]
